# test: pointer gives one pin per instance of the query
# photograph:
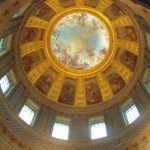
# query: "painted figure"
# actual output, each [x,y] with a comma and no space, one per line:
[44,83]
[116,83]
[93,95]
[67,94]
[130,60]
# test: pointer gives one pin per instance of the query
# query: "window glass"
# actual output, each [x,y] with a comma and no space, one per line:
[146,79]
[5,84]
[27,114]
[98,130]
[60,131]
[148,84]
[1,44]
[131,114]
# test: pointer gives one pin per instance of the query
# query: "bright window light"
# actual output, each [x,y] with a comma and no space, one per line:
[60,131]
[98,130]
[27,114]
[148,84]
[132,114]
[5,84]
[1,44]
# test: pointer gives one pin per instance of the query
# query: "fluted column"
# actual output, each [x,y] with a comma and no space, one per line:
[15,94]
[141,96]
[6,63]
[113,119]
[80,128]
[42,118]
[50,122]
[22,100]
[75,134]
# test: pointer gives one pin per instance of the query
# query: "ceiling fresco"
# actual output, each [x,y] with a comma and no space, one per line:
[79,53]
[80,41]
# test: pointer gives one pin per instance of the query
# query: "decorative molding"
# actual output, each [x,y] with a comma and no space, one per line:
[56,87]
[38,71]
[36,22]
[28,48]
[130,46]
[55,5]
[103,4]
[80,93]
[122,21]
[105,88]
[122,70]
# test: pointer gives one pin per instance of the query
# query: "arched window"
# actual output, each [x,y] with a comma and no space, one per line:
[61,128]
[130,111]
[29,112]
[97,128]
[7,82]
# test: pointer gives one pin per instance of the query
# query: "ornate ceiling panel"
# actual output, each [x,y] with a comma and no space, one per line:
[79,55]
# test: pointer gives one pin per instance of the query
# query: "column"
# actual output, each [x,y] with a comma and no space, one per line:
[50,122]
[6,63]
[80,128]
[113,120]
[141,96]
[15,94]
[20,103]
[42,118]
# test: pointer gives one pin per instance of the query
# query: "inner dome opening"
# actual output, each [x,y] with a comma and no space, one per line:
[80,41]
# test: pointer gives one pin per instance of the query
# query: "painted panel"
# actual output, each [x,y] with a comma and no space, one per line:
[33,59]
[115,81]
[45,12]
[126,33]
[67,3]
[93,94]
[67,94]
[127,58]
[113,12]
[46,80]
[31,34]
